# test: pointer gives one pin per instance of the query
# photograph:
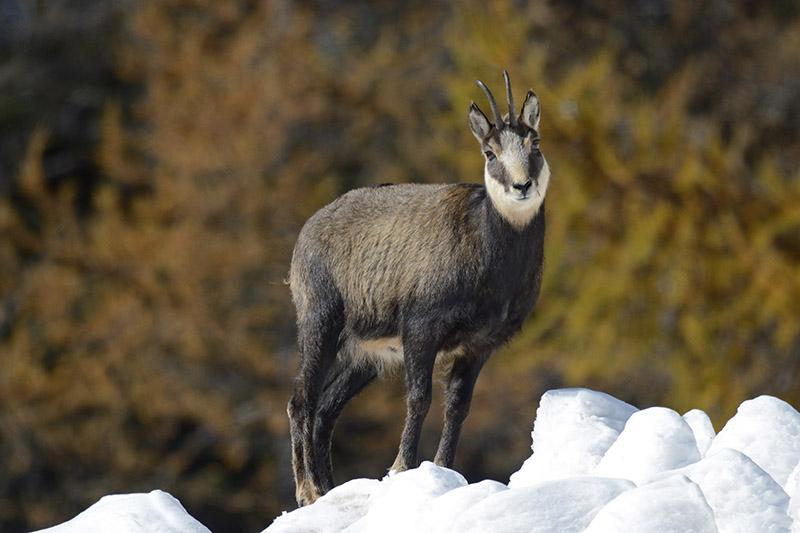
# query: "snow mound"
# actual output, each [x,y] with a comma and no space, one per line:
[335,511]
[654,440]
[599,465]
[767,430]
[439,514]
[155,512]
[397,506]
[675,504]
[743,497]
[560,506]
[573,430]
[702,428]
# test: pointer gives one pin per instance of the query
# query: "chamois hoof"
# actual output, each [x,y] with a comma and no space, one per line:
[398,466]
[306,494]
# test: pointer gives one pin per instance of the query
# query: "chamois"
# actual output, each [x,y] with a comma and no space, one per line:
[415,276]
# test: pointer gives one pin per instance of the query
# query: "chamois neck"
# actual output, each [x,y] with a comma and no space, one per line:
[497,229]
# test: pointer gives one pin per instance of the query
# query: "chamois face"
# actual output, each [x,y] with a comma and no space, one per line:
[516,173]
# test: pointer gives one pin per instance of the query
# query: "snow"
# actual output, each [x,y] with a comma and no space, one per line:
[560,506]
[792,488]
[439,514]
[654,440]
[335,511]
[793,483]
[675,504]
[599,465]
[574,428]
[767,430]
[702,428]
[155,512]
[743,497]
[397,506]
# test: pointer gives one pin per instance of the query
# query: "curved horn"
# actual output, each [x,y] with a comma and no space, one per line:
[512,115]
[498,120]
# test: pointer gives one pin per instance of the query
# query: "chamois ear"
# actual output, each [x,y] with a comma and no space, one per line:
[530,111]
[478,123]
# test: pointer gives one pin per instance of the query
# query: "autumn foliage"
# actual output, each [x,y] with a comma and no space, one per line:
[146,332]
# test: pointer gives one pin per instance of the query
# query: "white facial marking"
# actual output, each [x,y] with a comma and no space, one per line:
[514,157]
[515,211]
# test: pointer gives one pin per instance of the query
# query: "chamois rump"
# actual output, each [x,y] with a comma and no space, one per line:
[416,276]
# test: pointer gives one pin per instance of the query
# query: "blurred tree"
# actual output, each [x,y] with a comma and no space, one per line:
[57,68]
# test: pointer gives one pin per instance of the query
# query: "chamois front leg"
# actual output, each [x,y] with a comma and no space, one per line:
[419,356]
[457,399]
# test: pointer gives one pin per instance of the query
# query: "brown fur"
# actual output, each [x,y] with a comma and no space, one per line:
[384,244]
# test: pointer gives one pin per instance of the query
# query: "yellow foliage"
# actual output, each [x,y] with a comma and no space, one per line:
[150,341]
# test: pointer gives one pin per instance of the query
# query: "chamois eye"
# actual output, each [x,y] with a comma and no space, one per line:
[489,155]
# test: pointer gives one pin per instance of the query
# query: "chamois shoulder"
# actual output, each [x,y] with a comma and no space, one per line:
[370,209]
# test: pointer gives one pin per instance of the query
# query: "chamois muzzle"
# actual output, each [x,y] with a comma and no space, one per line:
[523,188]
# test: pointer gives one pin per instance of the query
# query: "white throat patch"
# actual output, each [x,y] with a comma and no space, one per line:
[518,212]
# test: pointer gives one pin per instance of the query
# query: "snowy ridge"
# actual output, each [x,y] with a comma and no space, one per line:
[598,465]
[155,512]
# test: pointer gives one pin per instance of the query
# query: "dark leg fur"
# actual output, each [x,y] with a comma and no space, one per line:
[295,431]
[419,357]
[317,339]
[343,384]
[457,399]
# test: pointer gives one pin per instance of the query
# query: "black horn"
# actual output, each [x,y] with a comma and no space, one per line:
[498,120]
[512,115]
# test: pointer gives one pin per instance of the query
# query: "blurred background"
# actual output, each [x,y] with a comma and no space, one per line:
[158,158]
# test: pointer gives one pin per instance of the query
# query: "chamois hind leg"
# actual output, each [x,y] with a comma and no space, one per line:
[419,355]
[295,433]
[458,395]
[341,387]
[318,336]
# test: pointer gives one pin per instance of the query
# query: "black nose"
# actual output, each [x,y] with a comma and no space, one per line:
[523,187]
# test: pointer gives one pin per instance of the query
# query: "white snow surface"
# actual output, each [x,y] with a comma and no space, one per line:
[559,506]
[599,465]
[743,497]
[767,430]
[437,515]
[654,440]
[675,504]
[400,502]
[701,427]
[573,430]
[155,512]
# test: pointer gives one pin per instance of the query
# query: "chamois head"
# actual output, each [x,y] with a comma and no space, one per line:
[516,173]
